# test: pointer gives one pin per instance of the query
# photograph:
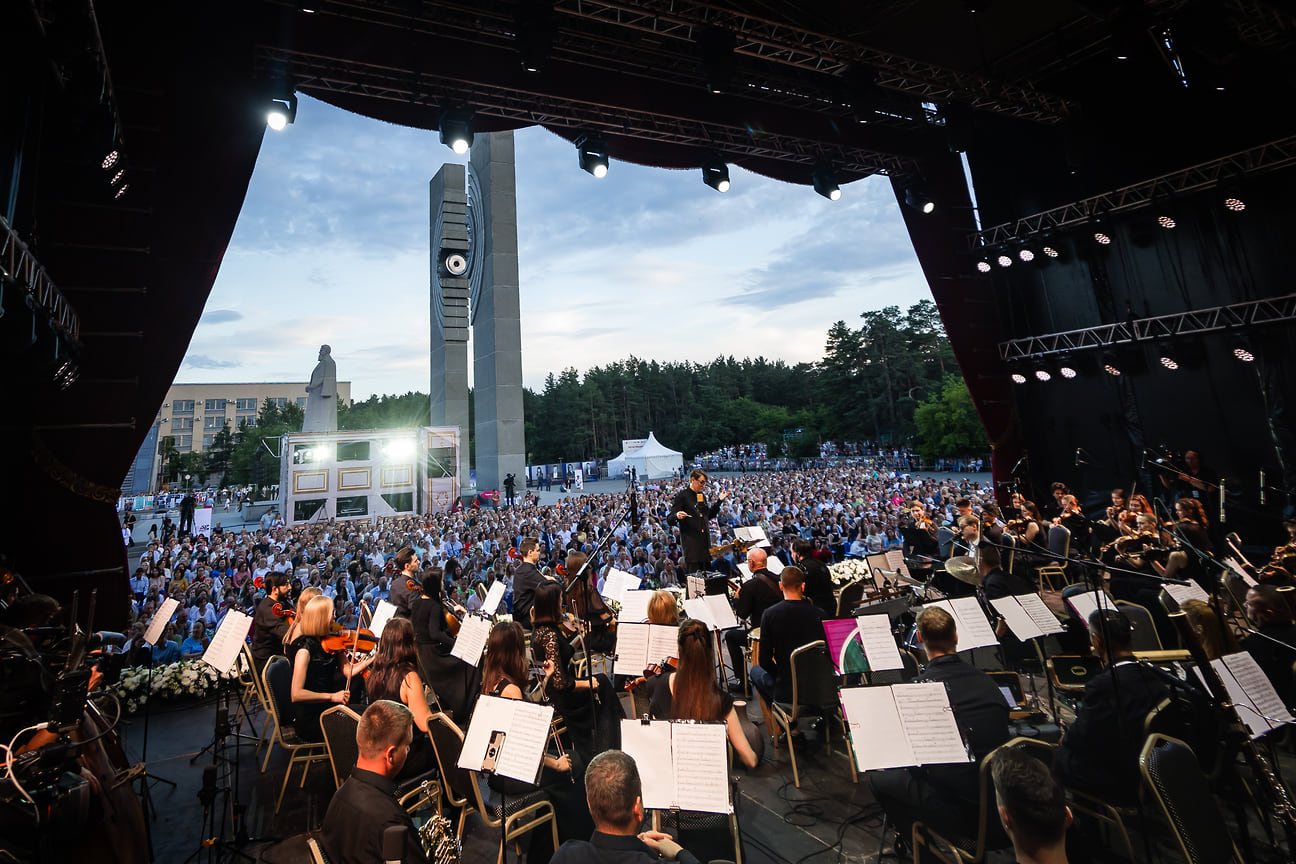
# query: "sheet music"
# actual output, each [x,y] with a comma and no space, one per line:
[774,565]
[745,571]
[494,595]
[228,641]
[1086,604]
[878,643]
[928,720]
[526,728]
[721,613]
[752,534]
[471,641]
[617,582]
[639,645]
[663,643]
[634,607]
[160,619]
[631,649]
[1259,699]
[694,586]
[877,737]
[1019,622]
[1040,613]
[974,631]
[896,562]
[1183,593]
[1246,577]
[646,743]
[384,613]
[701,764]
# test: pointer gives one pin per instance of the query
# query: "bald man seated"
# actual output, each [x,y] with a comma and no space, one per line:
[757,594]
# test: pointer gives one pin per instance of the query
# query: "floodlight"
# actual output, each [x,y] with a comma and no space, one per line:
[825,181]
[457,129]
[715,173]
[592,155]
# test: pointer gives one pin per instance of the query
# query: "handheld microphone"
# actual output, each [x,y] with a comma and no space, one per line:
[393,844]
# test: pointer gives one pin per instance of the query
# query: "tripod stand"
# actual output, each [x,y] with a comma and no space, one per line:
[212,840]
[147,779]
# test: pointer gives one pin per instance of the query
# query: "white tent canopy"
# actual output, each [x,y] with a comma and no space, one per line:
[652,460]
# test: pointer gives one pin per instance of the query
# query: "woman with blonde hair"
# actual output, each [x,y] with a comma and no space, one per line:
[318,675]
[662,608]
[294,629]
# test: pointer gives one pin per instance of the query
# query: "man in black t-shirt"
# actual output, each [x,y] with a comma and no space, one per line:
[785,627]
[818,582]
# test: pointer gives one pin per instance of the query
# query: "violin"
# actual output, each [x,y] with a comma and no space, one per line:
[283,611]
[651,671]
[344,640]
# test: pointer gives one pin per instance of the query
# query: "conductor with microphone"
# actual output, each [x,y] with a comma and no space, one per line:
[690,512]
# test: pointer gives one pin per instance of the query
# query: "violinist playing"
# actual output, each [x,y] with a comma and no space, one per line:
[271,625]
[294,629]
[689,691]
[590,608]
[317,673]
[920,540]
[1192,525]
[450,678]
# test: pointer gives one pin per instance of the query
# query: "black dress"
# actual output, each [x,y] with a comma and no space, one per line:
[547,643]
[450,678]
[321,677]
[421,756]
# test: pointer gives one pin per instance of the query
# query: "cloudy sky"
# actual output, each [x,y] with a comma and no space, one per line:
[332,247]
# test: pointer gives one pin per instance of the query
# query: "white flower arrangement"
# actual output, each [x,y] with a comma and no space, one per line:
[187,679]
[849,570]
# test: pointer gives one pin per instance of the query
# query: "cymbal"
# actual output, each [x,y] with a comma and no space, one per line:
[964,568]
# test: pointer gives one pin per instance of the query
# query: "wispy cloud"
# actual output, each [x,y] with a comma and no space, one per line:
[221,316]
[202,361]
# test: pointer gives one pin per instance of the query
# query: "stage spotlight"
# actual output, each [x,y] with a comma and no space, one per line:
[1111,369]
[1066,371]
[121,190]
[399,449]
[983,266]
[825,181]
[1018,378]
[282,110]
[535,32]
[863,92]
[1168,361]
[1050,251]
[110,161]
[1166,222]
[457,129]
[1230,192]
[1025,254]
[592,155]
[915,195]
[1043,375]
[1005,260]
[1234,203]
[1243,354]
[715,173]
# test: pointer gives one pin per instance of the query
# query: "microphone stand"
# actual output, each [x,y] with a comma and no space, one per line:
[579,578]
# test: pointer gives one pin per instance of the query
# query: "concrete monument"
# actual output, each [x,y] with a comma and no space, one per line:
[475,284]
[321,398]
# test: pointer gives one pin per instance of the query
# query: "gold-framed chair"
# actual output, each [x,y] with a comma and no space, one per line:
[276,680]
[1059,544]
[1176,783]
[460,787]
[814,693]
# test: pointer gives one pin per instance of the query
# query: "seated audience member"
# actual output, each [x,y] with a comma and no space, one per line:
[947,797]
[1274,646]
[1032,807]
[1099,752]
[365,805]
[614,793]
[195,643]
[167,650]
[786,626]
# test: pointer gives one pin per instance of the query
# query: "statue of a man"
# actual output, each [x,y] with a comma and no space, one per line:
[321,399]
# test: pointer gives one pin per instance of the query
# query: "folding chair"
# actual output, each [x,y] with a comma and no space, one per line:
[1175,781]
[814,693]
[339,724]
[277,681]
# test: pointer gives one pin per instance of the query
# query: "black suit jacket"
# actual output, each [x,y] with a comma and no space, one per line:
[999,584]
[525,580]
[267,638]
[694,536]
[361,810]
[982,717]
[1099,753]
[756,595]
